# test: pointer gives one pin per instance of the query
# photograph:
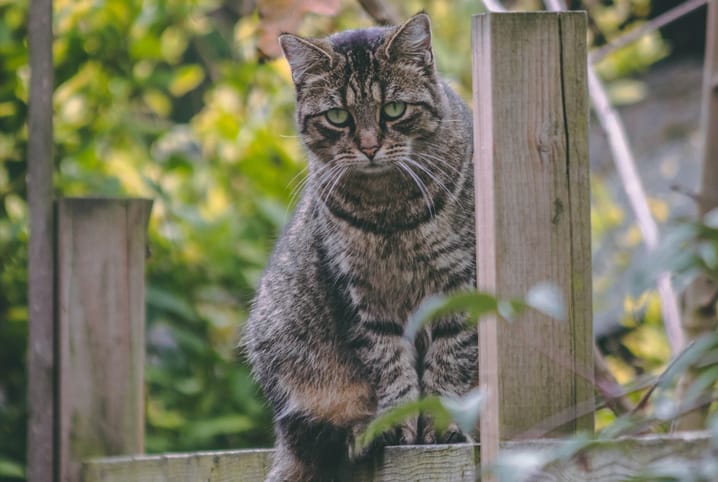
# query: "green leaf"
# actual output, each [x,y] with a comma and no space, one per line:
[170,302]
[395,416]
[547,298]
[228,424]
[701,386]
[690,356]
[711,218]
[465,410]
[474,303]
[187,78]
[11,469]
[519,465]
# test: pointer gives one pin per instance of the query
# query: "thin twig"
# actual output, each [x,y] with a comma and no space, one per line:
[608,386]
[626,167]
[555,5]
[648,27]
[640,426]
[494,6]
[644,399]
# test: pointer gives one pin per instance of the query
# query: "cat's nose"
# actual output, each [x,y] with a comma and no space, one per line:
[368,142]
[369,151]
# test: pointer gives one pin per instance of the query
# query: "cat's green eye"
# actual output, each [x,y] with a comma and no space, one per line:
[394,110]
[338,117]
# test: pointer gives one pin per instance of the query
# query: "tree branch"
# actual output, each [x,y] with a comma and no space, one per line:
[607,385]
[648,27]
[380,12]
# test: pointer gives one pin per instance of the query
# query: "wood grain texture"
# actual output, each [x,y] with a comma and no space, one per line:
[603,462]
[101,326]
[440,463]
[41,370]
[533,220]
[619,460]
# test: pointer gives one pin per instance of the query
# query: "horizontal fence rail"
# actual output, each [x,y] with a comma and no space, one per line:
[604,461]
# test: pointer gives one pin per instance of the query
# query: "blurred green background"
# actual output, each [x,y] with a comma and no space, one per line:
[184,102]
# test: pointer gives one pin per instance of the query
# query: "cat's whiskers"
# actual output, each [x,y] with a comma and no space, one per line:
[437,162]
[419,183]
[297,178]
[298,189]
[302,182]
[445,170]
[433,177]
[328,179]
[341,173]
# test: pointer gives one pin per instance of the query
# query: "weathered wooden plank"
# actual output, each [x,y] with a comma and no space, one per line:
[101,327]
[225,466]
[619,460]
[41,271]
[533,220]
[603,462]
[441,463]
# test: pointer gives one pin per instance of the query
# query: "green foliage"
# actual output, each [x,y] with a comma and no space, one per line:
[13,239]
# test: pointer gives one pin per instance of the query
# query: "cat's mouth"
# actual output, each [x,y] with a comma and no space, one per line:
[374,168]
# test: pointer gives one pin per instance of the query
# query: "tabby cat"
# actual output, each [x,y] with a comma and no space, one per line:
[385,220]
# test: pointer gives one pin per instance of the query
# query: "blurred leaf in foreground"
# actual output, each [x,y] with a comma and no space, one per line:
[397,415]
[465,410]
[545,297]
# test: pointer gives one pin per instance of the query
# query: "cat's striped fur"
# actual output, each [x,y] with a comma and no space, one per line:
[386,219]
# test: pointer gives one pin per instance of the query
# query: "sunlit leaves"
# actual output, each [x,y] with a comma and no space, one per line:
[185,79]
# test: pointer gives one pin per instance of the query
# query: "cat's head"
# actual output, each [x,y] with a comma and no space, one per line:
[366,97]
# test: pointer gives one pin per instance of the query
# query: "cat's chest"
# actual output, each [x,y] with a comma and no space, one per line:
[387,277]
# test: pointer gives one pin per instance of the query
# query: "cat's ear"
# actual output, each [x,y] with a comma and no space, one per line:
[412,40]
[305,55]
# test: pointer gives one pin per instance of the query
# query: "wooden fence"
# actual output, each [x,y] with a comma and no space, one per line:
[603,462]
[533,225]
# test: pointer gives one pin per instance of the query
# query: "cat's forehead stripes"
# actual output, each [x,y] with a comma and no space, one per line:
[361,67]
[358,92]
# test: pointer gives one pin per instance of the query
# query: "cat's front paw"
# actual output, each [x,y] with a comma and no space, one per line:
[452,435]
[404,434]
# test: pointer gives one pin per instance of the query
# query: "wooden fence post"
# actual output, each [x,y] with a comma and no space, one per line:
[41,364]
[101,246]
[533,221]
